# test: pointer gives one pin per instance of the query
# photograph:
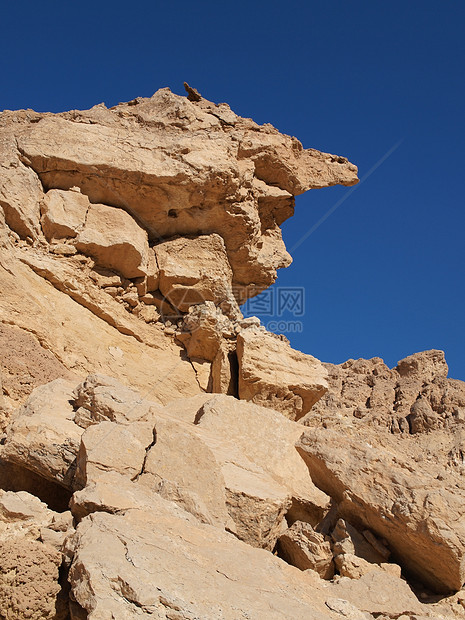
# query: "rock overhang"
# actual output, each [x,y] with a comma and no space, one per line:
[185,168]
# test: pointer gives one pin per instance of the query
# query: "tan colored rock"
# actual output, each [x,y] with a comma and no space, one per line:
[354,567]
[100,398]
[267,439]
[343,608]
[185,171]
[113,447]
[63,213]
[301,546]
[224,370]
[115,240]
[161,561]
[414,511]
[25,363]
[24,517]
[204,329]
[348,540]
[424,366]
[20,188]
[369,391]
[195,270]
[73,279]
[202,372]
[200,469]
[256,503]
[130,352]
[42,436]
[271,374]
[182,468]
[21,506]
[379,593]
[29,585]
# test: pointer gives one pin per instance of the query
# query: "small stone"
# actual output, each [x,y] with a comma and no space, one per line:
[63,249]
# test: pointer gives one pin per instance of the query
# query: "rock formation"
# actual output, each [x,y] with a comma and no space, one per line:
[161,456]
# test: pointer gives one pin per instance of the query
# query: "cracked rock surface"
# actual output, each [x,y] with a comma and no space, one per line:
[161,456]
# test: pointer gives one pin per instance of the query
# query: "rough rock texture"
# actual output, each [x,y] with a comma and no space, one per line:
[272,374]
[196,270]
[128,239]
[31,537]
[301,546]
[186,168]
[63,213]
[25,364]
[113,238]
[204,574]
[379,593]
[42,436]
[419,515]
[29,580]
[369,390]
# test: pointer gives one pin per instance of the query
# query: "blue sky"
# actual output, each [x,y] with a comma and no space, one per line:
[384,274]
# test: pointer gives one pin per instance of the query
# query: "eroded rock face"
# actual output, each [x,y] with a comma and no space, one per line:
[184,170]
[414,396]
[305,548]
[385,491]
[135,215]
[31,538]
[126,244]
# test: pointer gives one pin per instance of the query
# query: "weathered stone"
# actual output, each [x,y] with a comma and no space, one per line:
[271,374]
[368,390]
[160,561]
[203,330]
[42,435]
[411,509]
[225,371]
[20,187]
[25,364]
[348,540]
[100,398]
[379,593]
[424,366]
[354,567]
[214,178]
[60,317]
[112,447]
[193,271]
[267,439]
[115,240]
[422,417]
[63,213]
[301,546]
[29,585]
[181,467]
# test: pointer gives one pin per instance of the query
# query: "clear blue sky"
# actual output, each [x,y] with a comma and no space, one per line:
[384,275]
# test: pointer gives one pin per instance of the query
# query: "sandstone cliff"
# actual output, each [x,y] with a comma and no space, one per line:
[162,456]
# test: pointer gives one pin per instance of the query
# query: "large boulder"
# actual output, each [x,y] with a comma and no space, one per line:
[158,560]
[193,271]
[272,374]
[115,240]
[63,213]
[416,509]
[42,436]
